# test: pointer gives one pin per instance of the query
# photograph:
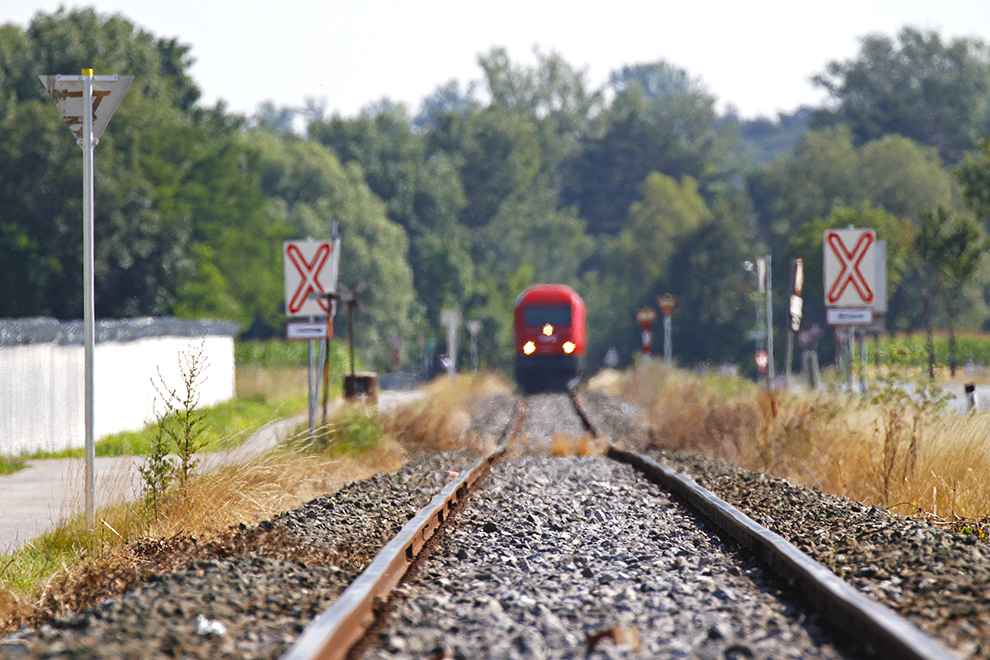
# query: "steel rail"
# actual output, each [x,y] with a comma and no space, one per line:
[333,632]
[885,633]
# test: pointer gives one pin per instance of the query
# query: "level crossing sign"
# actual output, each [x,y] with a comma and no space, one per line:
[850,268]
[310,274]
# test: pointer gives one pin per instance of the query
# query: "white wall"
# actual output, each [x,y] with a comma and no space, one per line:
[42,396]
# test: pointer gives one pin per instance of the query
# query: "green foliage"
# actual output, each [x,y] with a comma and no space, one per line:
[353,431]
[12,464]
[910,352]
[827,171]
[282,353]
[179,224]
[762,141]
[625,191]
[658,221]
[674,134]
[933,92]
[974,177]
[158,469]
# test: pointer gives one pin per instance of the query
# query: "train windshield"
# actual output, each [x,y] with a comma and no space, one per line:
[543,314]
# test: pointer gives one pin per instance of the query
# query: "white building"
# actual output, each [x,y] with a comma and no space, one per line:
[42,369]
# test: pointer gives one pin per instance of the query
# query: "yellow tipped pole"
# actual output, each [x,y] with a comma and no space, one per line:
[89,318]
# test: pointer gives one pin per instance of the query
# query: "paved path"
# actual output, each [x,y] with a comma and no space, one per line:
[34,499]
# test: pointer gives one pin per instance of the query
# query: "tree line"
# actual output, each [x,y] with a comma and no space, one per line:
[626,191]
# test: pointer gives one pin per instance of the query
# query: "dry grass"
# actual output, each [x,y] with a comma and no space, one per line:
[582,445]
[905,455]
[441,420]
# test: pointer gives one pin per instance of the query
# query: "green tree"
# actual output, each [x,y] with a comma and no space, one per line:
[307,188]
[827,171]
[974,177]
[423,195]
[178,213]
[664,214]
[918,86]
[674,134]
[948,250]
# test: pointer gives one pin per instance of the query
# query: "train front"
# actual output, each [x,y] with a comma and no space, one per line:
[550,338]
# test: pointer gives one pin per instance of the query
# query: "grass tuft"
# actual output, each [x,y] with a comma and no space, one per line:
[441,420]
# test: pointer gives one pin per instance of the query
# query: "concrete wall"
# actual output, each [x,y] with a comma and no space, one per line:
[42,390]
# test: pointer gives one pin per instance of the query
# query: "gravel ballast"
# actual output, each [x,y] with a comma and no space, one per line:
[936,577]
[555,551]
[248,593]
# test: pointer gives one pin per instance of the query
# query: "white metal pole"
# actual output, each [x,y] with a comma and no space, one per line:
[89,324]
[667,345]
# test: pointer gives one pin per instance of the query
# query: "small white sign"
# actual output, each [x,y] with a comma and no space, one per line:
[306,330]
[849,316]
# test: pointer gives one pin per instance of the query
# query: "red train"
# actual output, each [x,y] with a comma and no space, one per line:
[550,338]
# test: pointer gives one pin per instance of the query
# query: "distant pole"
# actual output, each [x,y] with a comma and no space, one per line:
[769,301]
[452,319]
[89,323]
[667,302]
[473,327]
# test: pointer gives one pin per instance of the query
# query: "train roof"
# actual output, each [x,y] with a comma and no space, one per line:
[548,293]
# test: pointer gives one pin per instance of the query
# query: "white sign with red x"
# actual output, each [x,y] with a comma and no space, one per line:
[851,268]
[310,272]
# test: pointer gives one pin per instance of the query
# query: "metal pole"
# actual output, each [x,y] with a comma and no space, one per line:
[862,361]
[89,323]
[769,301]
[311,380]
[667,347]
[789,358]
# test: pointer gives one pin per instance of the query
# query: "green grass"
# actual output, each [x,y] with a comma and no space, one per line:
[225,426]
[11,464]
[354,430]
[912,351]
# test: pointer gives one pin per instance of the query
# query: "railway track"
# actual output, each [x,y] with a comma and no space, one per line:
[535,559]
[557,556]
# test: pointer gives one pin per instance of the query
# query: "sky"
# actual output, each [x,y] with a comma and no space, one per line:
[756,56]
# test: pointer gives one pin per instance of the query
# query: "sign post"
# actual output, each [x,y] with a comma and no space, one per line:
[310,270]
[855,268]
[645,317]
[452,319]
[796,308]
[474,326]
[87,103]
[666,303]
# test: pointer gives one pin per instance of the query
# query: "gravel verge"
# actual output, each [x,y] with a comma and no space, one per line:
[250,592]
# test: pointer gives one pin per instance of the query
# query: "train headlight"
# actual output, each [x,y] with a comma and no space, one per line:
[529,347]
[569,347]
[548,330]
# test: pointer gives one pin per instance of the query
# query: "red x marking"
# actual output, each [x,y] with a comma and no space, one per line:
[310,276]
[850,268]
